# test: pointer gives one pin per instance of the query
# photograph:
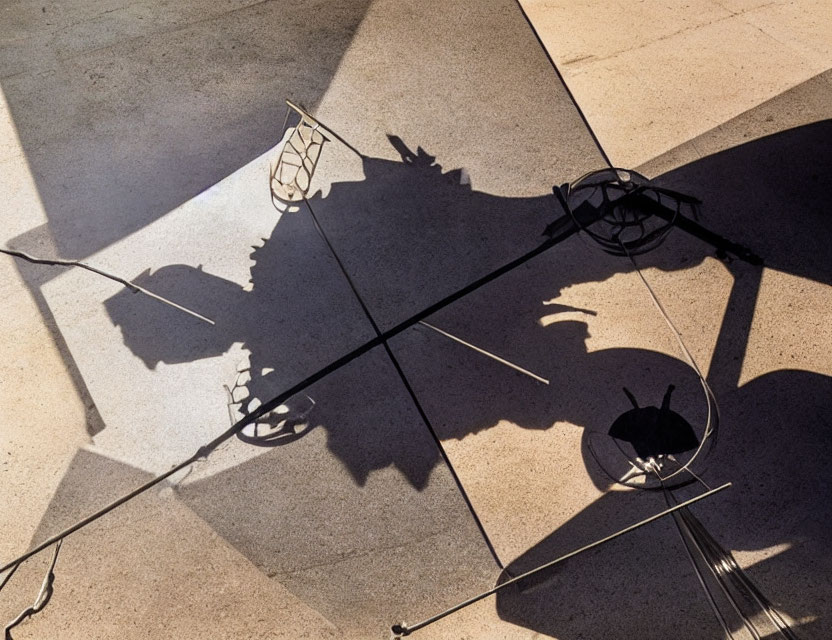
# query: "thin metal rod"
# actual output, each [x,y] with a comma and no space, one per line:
[77,263]
[686,544]
[170,303]
[404,630]
[485,353]
[722,562]
[683,525]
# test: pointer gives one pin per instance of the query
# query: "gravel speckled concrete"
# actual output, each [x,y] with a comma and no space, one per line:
[139,137]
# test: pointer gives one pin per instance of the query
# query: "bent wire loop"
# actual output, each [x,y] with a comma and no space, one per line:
[41,600]
[626,215]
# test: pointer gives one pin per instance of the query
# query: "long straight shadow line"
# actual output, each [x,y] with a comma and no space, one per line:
[413,397]
[569,229]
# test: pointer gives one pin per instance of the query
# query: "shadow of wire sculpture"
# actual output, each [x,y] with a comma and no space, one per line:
[768,193]
[421,194]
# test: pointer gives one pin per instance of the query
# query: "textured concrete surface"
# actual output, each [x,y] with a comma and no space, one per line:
[32,356]
[139,137]
[649,75]
[153,569]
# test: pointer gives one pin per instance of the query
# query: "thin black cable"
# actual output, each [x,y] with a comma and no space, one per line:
[437,440]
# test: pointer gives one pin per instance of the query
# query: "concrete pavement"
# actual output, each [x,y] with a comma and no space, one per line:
[140,137]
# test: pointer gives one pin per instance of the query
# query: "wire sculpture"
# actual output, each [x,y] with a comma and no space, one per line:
[291,176]
[626,216]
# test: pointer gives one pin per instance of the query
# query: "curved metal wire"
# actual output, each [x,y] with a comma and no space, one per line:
[619,218]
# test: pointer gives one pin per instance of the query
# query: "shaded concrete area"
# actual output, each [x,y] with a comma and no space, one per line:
[127,111]
[422,232]
[637,585]
[361,547]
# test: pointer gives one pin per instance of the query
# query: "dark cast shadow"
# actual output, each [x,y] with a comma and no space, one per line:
[409,232]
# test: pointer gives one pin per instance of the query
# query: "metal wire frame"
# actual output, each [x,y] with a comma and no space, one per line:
[305,166]
[291,176]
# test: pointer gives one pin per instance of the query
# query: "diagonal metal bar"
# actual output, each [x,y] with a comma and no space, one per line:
[405,630]
[487,354]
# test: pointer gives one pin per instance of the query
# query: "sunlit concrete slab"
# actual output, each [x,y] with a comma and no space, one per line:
[649,76]
[36,394]
[805,26]
[151,569]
